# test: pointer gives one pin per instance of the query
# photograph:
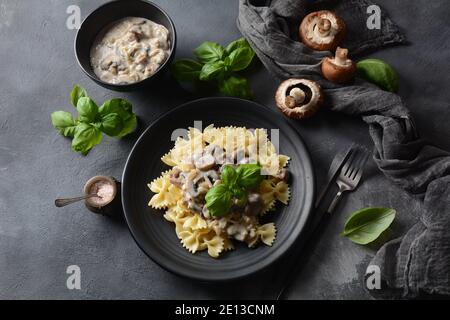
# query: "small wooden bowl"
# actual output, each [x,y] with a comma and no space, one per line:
[109,208]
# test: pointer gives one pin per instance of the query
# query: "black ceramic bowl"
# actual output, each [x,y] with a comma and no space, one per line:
[107,14]
[156,236]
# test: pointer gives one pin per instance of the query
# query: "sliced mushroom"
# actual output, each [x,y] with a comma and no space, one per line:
[196,182]
[284,175]
[216,151]
[254,204]
[237,231]
[240,156]
[299,98]
[108,61]
[175,178]
[322,30]
[141,58]
[339,69]
[135,33]
[195,207]
[203,187]
[205,212]
[205,162]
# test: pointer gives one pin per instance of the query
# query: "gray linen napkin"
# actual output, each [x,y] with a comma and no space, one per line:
[419,262]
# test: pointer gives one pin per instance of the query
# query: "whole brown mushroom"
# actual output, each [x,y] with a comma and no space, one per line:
[339,69]
[299,98]
[322,30]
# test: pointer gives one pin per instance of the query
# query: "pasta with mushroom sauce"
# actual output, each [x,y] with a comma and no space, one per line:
[195,192]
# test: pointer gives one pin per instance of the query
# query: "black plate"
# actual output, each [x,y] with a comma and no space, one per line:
[156,236]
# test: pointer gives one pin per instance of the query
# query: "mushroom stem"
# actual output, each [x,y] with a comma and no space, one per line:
[298,95]
[340,68]
[324,26]
[341,56]
[290,102]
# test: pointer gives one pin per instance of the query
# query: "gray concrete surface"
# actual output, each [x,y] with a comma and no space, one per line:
[38,241]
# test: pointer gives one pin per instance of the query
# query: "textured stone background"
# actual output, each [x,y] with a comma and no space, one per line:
[38,241]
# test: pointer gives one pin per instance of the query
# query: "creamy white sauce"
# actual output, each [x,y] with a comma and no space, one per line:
[130,50]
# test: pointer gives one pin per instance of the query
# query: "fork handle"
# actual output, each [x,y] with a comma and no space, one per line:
[335,202]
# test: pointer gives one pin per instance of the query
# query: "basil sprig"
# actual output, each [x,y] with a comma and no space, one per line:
[220,65]
[114,118]
[366,225]
[378,72]
[235,184]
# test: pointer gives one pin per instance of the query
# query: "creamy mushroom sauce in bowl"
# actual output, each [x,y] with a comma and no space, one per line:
[126,45]
[130,50]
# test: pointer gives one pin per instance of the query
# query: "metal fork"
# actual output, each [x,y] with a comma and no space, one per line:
[350,175]
[347,179]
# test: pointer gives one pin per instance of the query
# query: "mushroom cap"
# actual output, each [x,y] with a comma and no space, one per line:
[310,35]
[338,73]
[302,111]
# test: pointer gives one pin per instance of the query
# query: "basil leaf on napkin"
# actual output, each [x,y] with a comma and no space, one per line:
[380,73]
[366,225]
[209,52]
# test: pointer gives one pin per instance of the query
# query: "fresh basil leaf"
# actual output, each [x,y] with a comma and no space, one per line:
[129,126]
[236,87]
[249,176]
[112,124]
[64,122]
[87,110]
[77,93]
[219,200]
[125,110]
[209,52]
[228,175]
[366,225]
[212,71]
[120,106]
[240,59]
[86,136]
[186,70]
[380,73]
[115,117]
[239,43]
[240,194]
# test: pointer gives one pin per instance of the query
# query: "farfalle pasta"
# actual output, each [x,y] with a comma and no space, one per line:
[197,163]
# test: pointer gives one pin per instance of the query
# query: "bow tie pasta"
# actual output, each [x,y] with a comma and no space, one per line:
[197,186]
